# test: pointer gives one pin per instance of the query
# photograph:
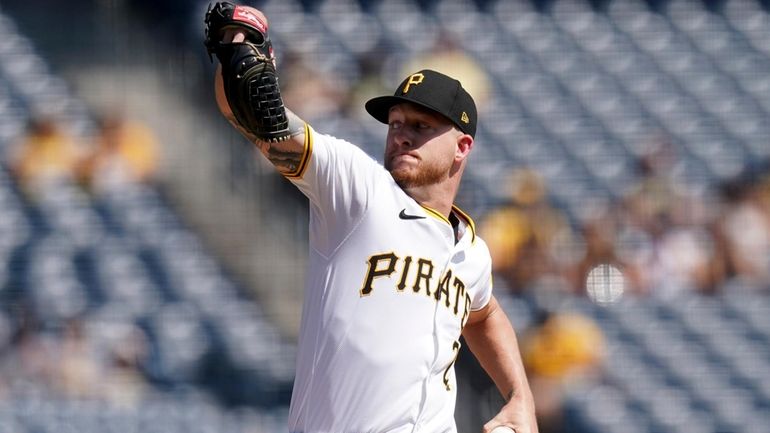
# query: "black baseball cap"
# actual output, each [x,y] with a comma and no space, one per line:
[432,90]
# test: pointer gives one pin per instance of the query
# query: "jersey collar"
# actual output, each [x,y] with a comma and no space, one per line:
[461,215]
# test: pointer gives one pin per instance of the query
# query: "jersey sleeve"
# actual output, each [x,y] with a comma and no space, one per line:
[483,292]
[339,179]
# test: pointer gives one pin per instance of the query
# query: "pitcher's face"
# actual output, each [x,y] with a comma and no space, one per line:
[420,147]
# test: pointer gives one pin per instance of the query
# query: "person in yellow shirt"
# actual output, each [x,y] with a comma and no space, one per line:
[521,232]
[45,155]
[448,57]
[565,349]
[125,152]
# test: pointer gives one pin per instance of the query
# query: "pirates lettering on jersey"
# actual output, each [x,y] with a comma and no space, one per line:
[449,288]
[376,270]
[424,274]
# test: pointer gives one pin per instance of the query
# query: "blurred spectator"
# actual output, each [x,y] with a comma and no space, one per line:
[125,151]
[25,364]
[745,226]
[309,91]
[686,256]
[661,255]
[45,155]
[566,346]
[75,369]
[565,350]
[449,58]
[650,202]
[666,235]
[601,234]
[521,233]
[70,363]
[124,383]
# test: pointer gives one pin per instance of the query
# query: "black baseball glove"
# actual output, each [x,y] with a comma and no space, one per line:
[248,70]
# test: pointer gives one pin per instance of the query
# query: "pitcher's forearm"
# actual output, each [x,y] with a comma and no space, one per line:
[286,155]
[494,343]
[492,340]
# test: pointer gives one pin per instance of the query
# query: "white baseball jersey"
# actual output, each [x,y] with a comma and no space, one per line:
[388,292]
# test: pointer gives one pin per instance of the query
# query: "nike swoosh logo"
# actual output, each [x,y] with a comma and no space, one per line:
[404,216]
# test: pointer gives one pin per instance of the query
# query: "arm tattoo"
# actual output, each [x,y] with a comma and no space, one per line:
[285,160]
[286,155]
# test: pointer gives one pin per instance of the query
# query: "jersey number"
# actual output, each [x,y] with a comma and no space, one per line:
[456,349]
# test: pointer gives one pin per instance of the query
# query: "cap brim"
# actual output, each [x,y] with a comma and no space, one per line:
[379,107]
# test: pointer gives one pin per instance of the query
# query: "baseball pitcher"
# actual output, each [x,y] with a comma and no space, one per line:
[396,272]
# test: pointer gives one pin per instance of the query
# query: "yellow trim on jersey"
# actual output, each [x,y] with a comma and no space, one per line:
[308,150]
[459,212]
[468,221]
[436,214]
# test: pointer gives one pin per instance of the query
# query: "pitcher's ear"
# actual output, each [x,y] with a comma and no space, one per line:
[464,145]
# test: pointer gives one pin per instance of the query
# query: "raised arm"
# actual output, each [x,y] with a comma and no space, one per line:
[246,85]
[285,155]
[492,340]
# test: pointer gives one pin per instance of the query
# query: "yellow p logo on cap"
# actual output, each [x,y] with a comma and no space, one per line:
[413,79]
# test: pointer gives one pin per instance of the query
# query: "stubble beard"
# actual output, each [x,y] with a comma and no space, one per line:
[424,174]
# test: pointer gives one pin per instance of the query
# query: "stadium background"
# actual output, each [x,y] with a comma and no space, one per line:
[620,177]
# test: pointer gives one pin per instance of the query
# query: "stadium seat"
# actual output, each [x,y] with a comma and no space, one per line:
[578,93]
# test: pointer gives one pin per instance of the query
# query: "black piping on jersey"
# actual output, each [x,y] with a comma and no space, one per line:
[306,152]
[468,220]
